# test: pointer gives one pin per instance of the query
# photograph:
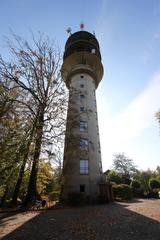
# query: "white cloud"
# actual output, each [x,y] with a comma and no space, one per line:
[116,132]
[140,112]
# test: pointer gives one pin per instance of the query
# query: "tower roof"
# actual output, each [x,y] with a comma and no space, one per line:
[82,54]
[81,41]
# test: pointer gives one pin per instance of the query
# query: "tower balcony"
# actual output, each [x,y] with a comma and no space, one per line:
[82,54]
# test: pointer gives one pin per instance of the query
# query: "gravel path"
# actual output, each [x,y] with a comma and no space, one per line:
[139,220]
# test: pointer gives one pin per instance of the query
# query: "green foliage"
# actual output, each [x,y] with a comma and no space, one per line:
[158,116]
[154,193]
[158,173]
[122,191]
[143,177]
[136,188]
[135,184]
[154,183]
[45,176]
[54,196]
[115,177]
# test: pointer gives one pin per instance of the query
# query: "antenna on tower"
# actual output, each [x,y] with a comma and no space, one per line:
[69,30]
[81,26]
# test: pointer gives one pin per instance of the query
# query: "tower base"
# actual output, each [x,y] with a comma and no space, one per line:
[105,195]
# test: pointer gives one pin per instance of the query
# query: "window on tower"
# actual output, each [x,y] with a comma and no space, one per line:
[81,109]
[82,85]
[84,166]
[82,188]
[93,50]
[83,126]
[82,96]
[84,144]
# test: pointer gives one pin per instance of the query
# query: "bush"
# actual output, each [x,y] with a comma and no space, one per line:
[154,183]
[75,198]
[135,184]
[136,188]
[54,196]
[122,191]
[153,194]
[114,177]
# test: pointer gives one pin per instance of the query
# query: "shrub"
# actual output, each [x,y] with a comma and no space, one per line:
[136,188]
[75,198]
[135,184]
[122,191]
[113,176]
[153,194]
[154,183]
[54,196]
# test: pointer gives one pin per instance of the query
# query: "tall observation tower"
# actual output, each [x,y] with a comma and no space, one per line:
[82,71]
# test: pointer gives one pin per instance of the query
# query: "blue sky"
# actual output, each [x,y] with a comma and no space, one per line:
[129,37]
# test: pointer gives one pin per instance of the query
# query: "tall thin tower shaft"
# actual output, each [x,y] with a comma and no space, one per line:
[82,71]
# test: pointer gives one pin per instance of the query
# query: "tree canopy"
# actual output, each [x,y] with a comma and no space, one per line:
[124,166]
[32,110]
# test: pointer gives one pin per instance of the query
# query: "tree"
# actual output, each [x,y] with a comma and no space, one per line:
[136,188]
[158,116]
[45,176]
[124,166]
[158,173]
[115,177]
[12,131]
[35,72]
[143,177]
[154,183]
[135,184]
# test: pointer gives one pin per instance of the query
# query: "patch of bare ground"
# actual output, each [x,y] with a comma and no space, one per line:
[136,220]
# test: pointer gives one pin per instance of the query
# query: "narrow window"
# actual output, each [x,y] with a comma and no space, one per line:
[84,144]
[82,188]
[82,85]
[83,126]
[83,166]
[82,96]
[81,109]
[93,50]
[82,76]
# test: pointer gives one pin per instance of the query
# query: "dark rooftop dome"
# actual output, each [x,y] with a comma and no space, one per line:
[82,41]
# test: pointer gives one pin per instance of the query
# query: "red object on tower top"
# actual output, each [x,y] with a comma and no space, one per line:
[82,26]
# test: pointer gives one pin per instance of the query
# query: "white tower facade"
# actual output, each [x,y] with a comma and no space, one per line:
[82,71]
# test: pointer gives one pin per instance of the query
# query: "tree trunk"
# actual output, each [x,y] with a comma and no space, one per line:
[6,189]
[32,188]
[21,171]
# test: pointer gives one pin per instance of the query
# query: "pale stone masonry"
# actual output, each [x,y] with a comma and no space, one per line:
[82,71]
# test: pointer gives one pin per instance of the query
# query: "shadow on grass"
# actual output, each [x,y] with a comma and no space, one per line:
[109,222]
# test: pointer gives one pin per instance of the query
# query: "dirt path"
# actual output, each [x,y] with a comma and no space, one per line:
[14,221]
[139,220]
